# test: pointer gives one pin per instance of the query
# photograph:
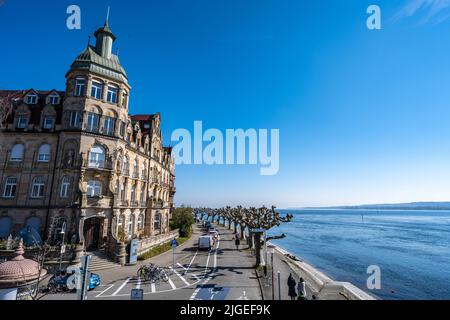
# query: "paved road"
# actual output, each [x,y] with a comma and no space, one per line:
[223,273]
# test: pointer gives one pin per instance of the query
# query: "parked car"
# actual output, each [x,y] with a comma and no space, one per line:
[63,281]
[205,242]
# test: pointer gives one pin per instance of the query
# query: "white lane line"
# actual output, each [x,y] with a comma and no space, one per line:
[104,291]
[195,276]
[121,287]
[180,276]
[152,287]
[172,284]
[207,262]
[138,285]
[190,264]
[181,266]
[170,281]
[194,295]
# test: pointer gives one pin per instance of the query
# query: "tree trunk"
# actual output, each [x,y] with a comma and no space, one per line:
[242,227]
[250,239]
[258,248]
[235,227]
[223,222]
[229,224]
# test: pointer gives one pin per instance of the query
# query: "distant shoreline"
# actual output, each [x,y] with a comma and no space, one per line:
[413,206]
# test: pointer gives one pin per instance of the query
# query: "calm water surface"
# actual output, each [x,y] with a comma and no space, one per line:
[412,248]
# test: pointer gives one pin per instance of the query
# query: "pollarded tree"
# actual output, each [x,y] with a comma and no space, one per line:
[266,219]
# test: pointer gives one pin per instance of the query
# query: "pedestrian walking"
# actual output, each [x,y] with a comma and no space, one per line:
[301,289]
[237,242]
[291,285]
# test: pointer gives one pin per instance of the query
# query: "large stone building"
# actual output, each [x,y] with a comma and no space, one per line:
[77,157]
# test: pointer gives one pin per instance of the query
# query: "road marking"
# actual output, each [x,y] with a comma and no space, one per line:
[243,297]
[207,263]
[121,287]
[180,265]
[195,276]
[172,284]
[152,287]
[170,280]
[138,285]
[209,277]
[186,270]
[180,276]
[104,291]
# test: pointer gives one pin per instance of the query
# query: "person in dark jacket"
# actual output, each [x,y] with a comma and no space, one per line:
[291,284]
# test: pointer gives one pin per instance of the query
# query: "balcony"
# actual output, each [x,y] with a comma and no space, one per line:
[103,202]
[98,165]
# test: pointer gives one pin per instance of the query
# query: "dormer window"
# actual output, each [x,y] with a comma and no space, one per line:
[112,94]
[53,99]
[31,99]
[97,90]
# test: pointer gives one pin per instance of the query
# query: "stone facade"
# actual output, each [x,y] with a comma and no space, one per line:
[77,157]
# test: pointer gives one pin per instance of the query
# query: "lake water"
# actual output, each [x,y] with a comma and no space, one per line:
[412,248]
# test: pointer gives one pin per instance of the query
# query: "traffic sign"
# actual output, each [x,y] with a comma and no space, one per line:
[174,243]
[63,248]
[137,294]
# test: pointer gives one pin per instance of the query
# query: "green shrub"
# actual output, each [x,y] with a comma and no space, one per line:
[183,219]
[161,249]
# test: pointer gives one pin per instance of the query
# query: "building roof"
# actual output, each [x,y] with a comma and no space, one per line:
[19,271]
[91,61]
[18,97]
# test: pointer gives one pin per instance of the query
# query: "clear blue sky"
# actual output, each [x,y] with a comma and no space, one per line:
[364,116]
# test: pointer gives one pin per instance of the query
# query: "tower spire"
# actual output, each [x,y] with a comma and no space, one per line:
[107,17]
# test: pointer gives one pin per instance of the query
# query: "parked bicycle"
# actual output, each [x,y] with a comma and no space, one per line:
[152,273]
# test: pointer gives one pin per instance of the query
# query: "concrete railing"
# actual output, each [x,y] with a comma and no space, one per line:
[323,286]
[151,242]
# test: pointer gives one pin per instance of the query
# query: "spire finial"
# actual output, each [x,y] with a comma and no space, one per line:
[107,17]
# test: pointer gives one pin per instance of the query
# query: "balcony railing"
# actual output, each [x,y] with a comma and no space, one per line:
[102,165]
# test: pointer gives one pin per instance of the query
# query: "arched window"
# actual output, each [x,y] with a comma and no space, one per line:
[59,224]
[131,225]
[140,221]
[5,227]
[92,122]
[143,171]
[34,222]
[120,221]
[65,187]
[94,189]
[123,188]
[10,188]
[37,188]
[133,194]
[44,153]
[142,195]
[17,153]
[97,157]
[136,169]
[125,166]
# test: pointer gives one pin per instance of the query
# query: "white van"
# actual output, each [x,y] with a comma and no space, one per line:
[205,243]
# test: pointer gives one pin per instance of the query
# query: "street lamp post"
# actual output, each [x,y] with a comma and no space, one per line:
[63,233]
[273,280]
[279,285]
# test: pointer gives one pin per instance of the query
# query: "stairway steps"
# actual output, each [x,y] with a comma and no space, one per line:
[100,261]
